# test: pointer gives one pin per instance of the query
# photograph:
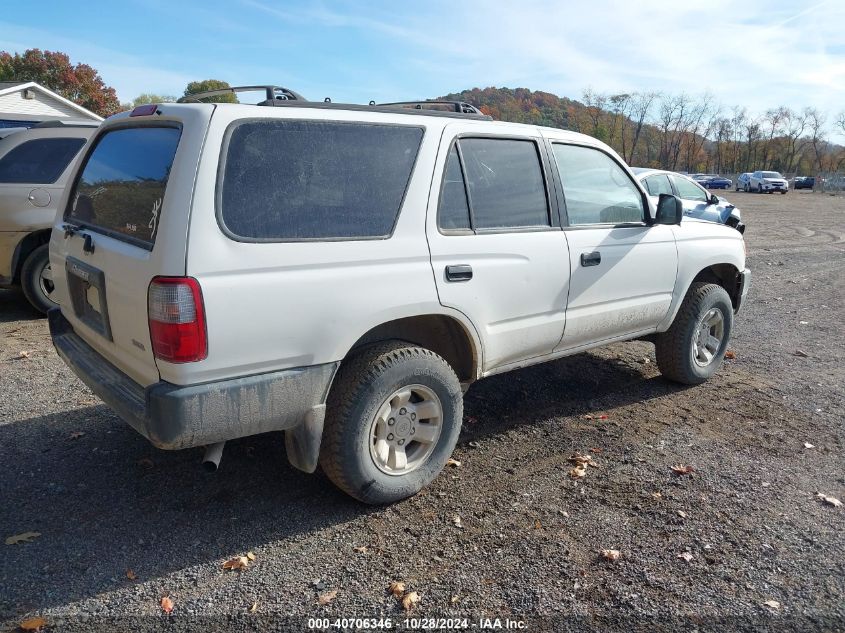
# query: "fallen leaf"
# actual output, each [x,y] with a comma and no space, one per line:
[801,353]
[326,597]
[687,556]
[456,521]
[578,458]
[361,549]
[730,354]
[25,537]
[681,469]
[808,445]
[166,604]
[611,554]
[397,588]
[238,562]
[656,496]
[146,462]
[76,435]
[254,607]
[538,525]
[130,574]
[250,556]
[454,463]
[596,450]
[33,624]
[682,514]
[579,471]
[23,354]
[772,604]
[454,599]
[410,600]
[836,503]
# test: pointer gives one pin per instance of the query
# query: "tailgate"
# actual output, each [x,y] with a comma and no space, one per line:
[125,221]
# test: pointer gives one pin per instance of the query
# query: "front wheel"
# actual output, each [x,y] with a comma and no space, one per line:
[693,348]
[37,279]
[393,418]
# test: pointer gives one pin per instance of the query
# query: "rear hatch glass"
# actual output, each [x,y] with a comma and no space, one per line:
[121,186]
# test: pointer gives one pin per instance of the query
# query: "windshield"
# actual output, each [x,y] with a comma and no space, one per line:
[771,174]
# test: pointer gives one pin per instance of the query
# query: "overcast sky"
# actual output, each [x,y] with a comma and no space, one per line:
[756,53]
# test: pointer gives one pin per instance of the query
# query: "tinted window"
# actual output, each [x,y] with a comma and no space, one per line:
[40,161]
[658,184]
[453,212]
[597,190]
[316,179]
[690,191]
[506,183]
[122,184]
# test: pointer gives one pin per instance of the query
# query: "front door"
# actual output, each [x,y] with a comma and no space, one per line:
[497,251]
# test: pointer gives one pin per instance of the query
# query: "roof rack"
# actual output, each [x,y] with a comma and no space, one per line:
[460,107]
[273,94]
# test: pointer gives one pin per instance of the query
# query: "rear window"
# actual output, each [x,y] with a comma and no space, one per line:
[298,180]
[121,187]
[39,161]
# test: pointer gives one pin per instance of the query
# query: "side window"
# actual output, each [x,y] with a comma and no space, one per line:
[506,185]
[689,190]
[453,212]
[658,184]
[40,161]
[597,190]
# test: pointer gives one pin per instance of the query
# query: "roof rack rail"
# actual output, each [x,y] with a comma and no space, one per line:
[272,94]
[461,107]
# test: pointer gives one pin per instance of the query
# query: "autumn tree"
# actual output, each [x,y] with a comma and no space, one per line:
[211,84]
[79,83]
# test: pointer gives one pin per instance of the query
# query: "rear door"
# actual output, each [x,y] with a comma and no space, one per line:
[124,222]
[497,250]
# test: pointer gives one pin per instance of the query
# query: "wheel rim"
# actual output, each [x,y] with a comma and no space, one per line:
[45,281]
[405,430]
[708,337]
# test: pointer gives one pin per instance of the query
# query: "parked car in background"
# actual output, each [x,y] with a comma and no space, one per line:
[714,181]
[742,181]
[698,202]
[35,164]
[349,290]
[803,182]
[767,182]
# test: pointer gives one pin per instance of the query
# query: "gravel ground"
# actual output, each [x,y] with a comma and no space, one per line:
[122,524]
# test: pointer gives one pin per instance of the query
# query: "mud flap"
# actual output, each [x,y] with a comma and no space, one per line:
[302,442]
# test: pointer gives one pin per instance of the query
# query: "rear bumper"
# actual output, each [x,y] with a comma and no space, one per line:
[173,416]
[744,285]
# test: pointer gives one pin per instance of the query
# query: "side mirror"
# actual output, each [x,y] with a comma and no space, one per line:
[714,199]
[670,209]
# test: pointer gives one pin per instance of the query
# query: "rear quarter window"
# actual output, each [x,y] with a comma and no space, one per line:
[121,186]
[39,161]
[284,180]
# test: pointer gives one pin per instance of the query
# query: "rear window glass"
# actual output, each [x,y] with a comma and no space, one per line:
[291,180]
[40,161]
[122,184]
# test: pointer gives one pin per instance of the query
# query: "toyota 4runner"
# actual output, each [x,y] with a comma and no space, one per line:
[344,273]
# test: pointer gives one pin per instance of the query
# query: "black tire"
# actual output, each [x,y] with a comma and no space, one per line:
[759,188]
[31,279]
[674,348]
[363,384]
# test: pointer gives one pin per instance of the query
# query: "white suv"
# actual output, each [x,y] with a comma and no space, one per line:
[344,273]
[767,182]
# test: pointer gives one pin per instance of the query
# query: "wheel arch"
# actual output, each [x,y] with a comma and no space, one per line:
[25,248]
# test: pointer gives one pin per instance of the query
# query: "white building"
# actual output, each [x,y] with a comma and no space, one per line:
[25,103]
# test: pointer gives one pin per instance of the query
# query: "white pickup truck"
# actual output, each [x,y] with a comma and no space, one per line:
[344,273]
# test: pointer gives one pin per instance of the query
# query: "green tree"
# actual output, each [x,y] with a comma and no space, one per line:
[149,97]
[80,83]
[211,84]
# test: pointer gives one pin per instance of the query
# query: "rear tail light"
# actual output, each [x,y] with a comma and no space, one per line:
[177,319]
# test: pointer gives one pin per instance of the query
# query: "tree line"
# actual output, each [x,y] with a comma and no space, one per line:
[679,132]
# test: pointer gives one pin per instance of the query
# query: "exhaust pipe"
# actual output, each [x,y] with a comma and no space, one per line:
[213,454]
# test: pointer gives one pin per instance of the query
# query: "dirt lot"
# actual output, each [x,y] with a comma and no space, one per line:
[108,506]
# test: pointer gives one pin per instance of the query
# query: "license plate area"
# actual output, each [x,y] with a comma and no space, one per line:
[87,289]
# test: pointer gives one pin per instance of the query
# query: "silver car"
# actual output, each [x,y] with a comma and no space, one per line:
[698,202]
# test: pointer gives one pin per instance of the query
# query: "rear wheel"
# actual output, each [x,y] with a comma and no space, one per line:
[37,279]
[693,348]
[392,421]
